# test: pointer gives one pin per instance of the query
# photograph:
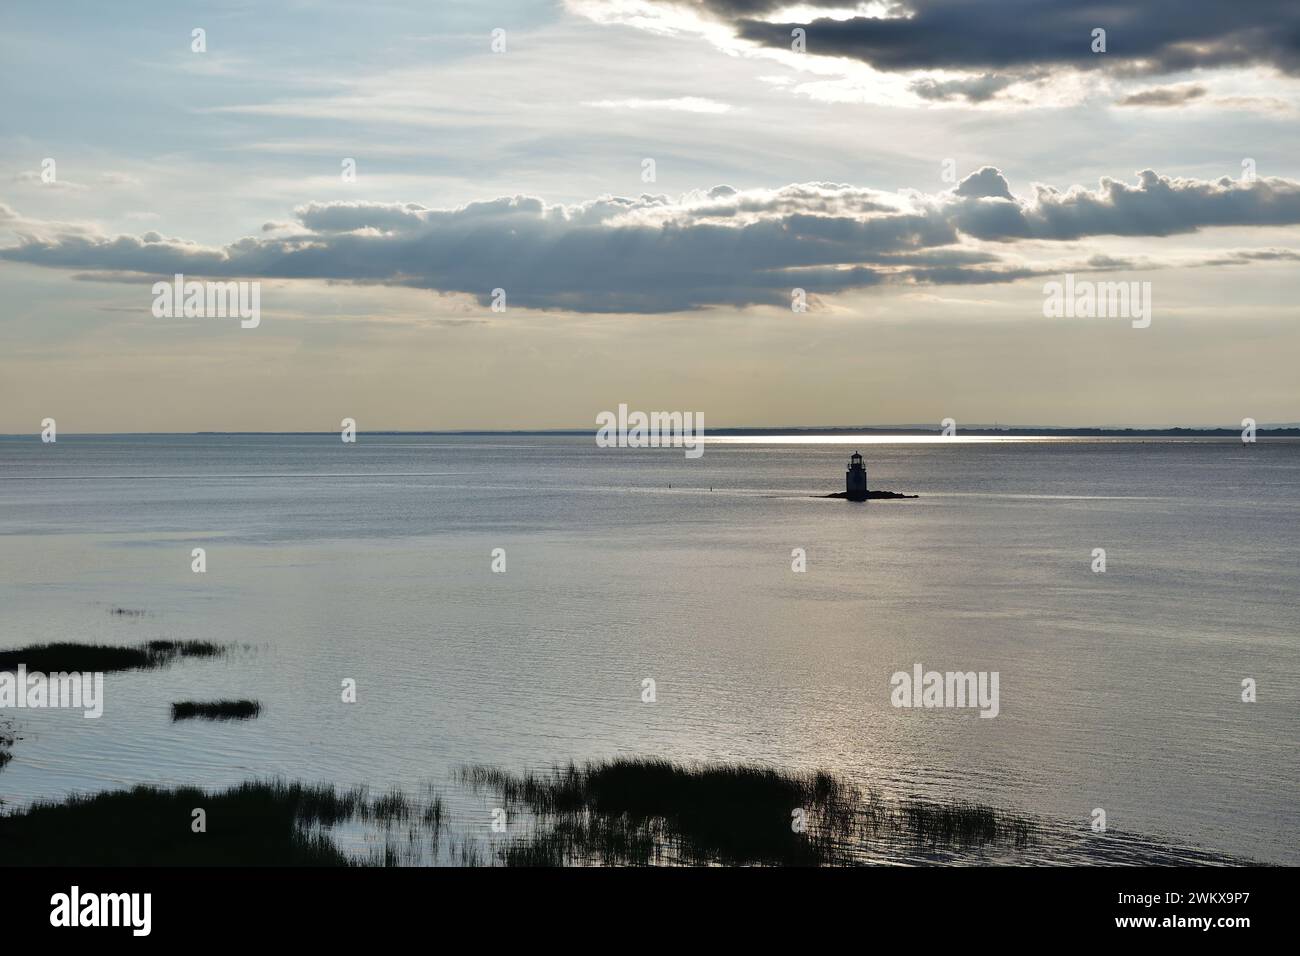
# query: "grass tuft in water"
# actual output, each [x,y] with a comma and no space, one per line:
[216,710]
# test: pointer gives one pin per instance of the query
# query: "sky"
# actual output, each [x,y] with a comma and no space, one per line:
[465,215]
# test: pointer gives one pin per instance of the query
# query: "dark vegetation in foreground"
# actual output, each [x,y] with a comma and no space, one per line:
[216,709]
[649,811]
[71,656]
[622,812]
[261,823]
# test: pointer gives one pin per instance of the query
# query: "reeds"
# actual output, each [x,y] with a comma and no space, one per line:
[650,811]
[257,823]
[637,812]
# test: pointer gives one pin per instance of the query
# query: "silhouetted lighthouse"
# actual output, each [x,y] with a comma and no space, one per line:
[855,479]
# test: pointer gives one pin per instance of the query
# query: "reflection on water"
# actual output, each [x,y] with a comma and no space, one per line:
[876,439]
[371,562]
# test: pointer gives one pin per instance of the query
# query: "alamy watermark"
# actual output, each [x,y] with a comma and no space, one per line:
[1085,299]
[75,908]
[213,300]
[653,430]
[922,688]
[35,690]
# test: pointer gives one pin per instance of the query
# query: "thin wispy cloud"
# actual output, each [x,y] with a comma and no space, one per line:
[1165,96]
[680,104]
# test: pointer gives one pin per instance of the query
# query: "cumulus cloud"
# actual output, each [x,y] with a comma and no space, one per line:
[718,247]
[986,182]
[1156,206]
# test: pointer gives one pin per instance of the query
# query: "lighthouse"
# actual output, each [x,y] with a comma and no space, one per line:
[855,479]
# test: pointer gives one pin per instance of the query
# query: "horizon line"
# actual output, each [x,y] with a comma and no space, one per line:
[739,430]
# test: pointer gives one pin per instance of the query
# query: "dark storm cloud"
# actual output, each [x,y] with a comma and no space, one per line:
[1143,37]
[723,247]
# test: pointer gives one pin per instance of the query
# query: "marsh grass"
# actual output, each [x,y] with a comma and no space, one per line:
[256,823]
[468,853]
[947,824]
[591,839]
[249,824]
[171,649]
[392,807]
[68,656]
[638,812]
[435,812]
[651,811]
[216,710]
[7,740]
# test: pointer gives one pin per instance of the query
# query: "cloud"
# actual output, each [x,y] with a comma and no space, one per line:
[1164,96]
[1008,54]
[1156,206]
[350,216]
[1148,38]
[1238,257]
[42,229]
[33,178]
[678,104]
[719,247]
[986,182]
[976,89]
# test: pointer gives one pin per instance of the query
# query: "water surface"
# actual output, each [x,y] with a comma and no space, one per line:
[372,562]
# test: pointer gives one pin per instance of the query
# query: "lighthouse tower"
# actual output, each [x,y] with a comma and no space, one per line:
[855,479]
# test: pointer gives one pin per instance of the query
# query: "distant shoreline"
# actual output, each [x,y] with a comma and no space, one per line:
[1047,431]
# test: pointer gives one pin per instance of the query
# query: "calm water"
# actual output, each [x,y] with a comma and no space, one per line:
[372,561]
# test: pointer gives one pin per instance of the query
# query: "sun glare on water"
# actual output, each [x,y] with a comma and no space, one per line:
[854,439]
